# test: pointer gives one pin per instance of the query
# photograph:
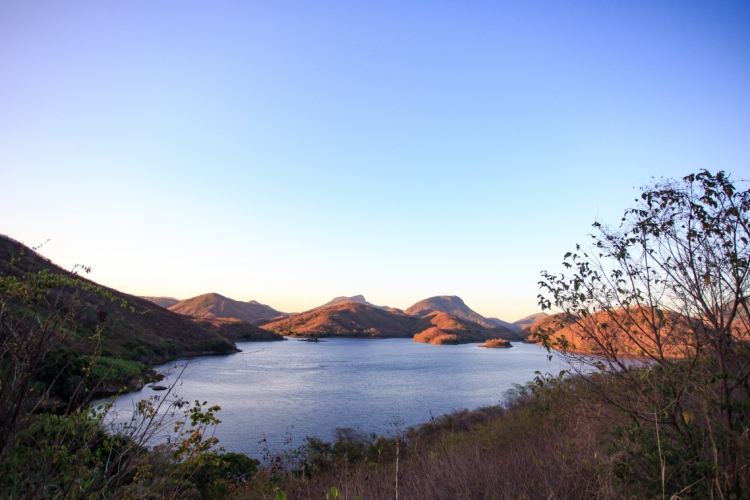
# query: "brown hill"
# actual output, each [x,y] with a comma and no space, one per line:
[164,302]
[529,320]
[148,334]
[448,304]
[213,305]
[237,330]
[499,322]
[547,324]
[624,332]
[359,299]
[349,319]
[440,328]
[265,321]
[502,332]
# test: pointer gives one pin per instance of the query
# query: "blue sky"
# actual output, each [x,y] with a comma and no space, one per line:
[290,152]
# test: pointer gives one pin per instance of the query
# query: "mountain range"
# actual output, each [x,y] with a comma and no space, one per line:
[353,319]
[213,305]
[211,323]
[356,317]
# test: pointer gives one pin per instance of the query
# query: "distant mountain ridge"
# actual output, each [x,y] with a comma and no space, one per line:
[442,319]
[214,305]
[165,302]
[359,299]
[452,305]
[526,322]
[505,324]
[441,328]
[352,319]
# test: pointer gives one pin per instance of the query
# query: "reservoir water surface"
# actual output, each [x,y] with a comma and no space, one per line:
[284,391]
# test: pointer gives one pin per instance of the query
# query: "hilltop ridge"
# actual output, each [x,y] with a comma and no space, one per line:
[353,319]
[359,299]
[450,304]
[165,302]
[214,305]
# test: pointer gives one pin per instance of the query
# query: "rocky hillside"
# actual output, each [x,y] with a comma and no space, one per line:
[213,305]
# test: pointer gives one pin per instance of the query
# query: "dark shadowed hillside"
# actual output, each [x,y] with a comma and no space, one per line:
[526,322]
[505,333]
[165,302]
[505,324]
[237,330]
[213,305]
[148,334]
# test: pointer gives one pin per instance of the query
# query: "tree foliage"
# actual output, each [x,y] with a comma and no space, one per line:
[661,302]
[54,442]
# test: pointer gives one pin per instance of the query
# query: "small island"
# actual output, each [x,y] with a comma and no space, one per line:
[496,344]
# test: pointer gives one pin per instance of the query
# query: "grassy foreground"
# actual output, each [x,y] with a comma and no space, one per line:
[555,438]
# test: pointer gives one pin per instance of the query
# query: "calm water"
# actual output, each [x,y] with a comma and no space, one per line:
[284,391]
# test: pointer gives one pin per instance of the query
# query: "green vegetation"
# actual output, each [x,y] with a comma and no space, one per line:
[55,444]
[141,332]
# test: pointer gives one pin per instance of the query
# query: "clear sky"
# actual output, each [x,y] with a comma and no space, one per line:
[290,152]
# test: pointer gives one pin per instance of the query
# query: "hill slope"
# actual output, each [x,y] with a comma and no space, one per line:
[441,328]
[164,302]
[448,304]
[213,305]
[359,299]
[505,324]
[150,334]
[625,332]
[237,330]
[529,320]
[350,319]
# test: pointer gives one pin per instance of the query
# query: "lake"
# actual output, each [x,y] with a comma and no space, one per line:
[284,391]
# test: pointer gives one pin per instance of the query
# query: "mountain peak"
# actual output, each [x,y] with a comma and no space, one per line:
[214,305]
[451,304]
[359,299]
